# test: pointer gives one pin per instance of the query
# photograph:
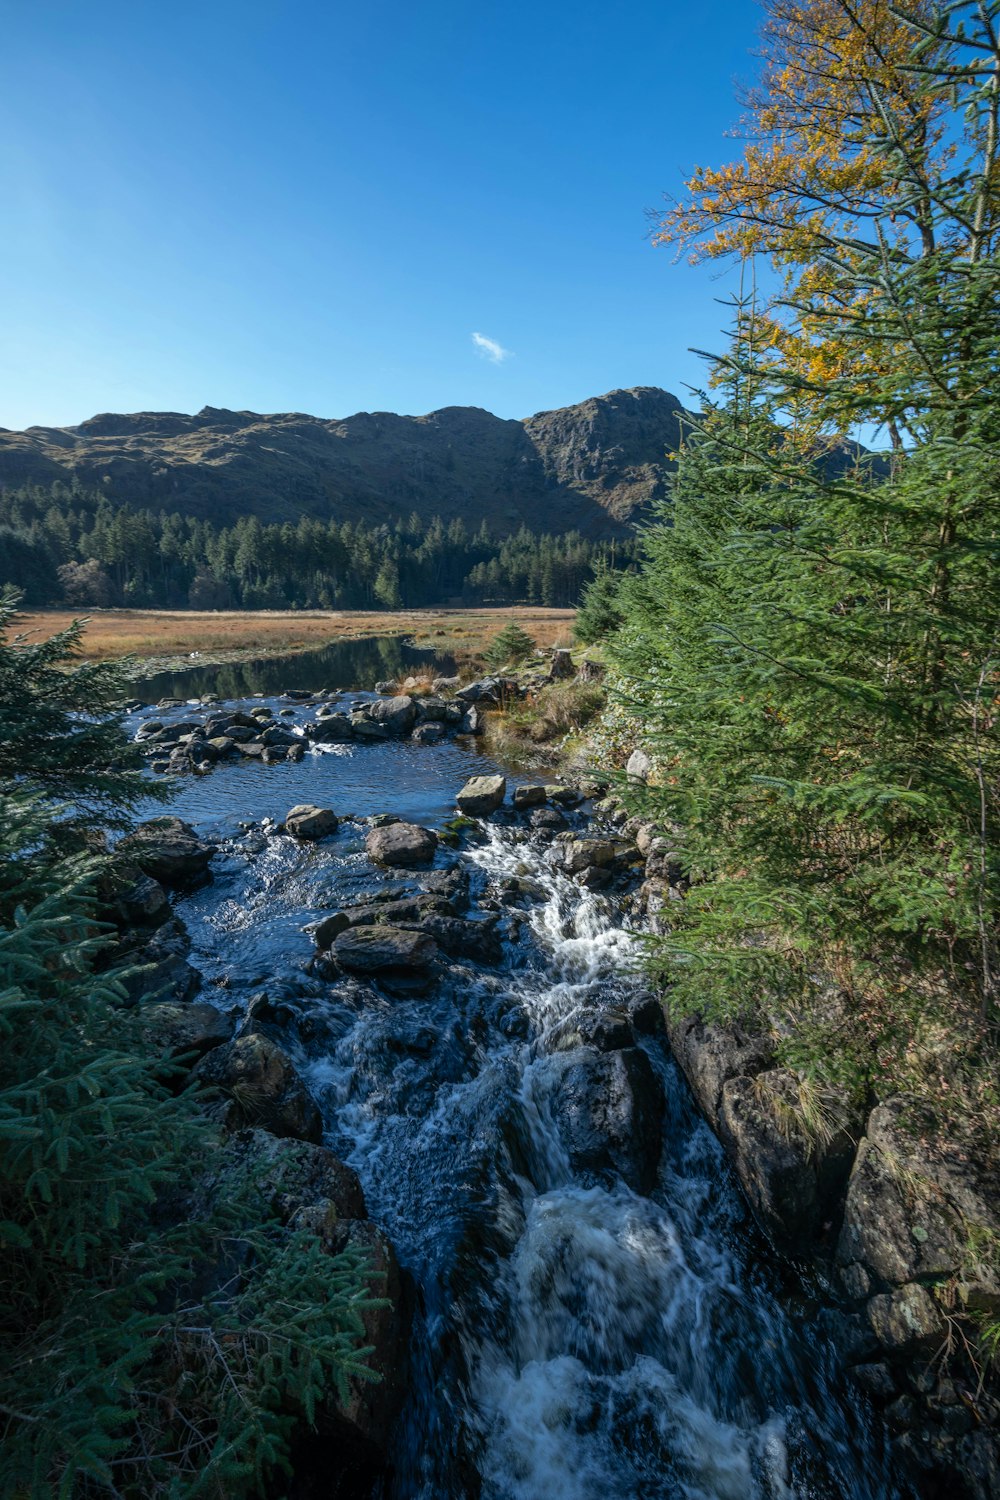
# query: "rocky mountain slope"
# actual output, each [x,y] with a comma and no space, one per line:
[593,467]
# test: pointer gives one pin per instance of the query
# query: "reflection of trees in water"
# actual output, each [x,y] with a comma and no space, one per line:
[342,664]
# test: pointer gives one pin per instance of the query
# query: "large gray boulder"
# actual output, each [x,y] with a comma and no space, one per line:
[397,715]
[403,844]
[263,1088]
[169,851]
[481,795]
[379,949]
[308,822]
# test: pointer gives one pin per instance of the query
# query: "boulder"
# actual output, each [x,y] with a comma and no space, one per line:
[402,844]
[528,796]
[909,1209]
[182,1030]
[610,1107]
[263,1088]
[584,854]
[546,820]
[291,1174]
[481,795]
[472,721]
[446,684]
[332,729]
[169,851]
[397,715]
[378,949]
[308,822]
[638,766]
[331,927]
[432,710]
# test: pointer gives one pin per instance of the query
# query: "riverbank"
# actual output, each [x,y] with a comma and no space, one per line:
[170,640]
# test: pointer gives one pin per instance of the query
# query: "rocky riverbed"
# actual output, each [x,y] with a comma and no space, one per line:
[414,976]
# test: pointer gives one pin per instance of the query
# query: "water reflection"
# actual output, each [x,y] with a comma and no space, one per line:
[339,666]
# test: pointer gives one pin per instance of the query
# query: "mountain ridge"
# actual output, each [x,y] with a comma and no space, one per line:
[594,467]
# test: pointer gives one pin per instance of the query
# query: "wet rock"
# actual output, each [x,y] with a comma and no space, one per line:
[263,1088]
[564,796]
[465,939]
[333,729]
[403,844]
[169,851]
[295,752]
[577,854]
[525,797]
[364,728]
[610,1108]
[907,1321]
[308,822]
[428,734]
[252,749]
[276,735]
[481,795]
[331,927]
[646,1015]
[222,744]
[607,1031]
[432,710]
[377,949]
[546,820]
[182,1030]
[397,715]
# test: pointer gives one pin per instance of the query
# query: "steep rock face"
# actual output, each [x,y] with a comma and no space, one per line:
[591,467]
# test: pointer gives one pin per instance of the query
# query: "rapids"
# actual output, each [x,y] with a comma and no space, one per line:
[572,1338]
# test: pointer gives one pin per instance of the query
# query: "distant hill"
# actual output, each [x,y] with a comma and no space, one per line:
[592,468]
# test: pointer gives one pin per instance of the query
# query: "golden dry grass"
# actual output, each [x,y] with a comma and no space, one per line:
[113,633]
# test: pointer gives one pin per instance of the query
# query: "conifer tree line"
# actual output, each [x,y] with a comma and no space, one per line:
[67,545]
[815,659]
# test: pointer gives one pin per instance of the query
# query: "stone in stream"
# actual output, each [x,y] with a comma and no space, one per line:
[528,796]
[169,851]
[308,822]
[263,1088]
[481,795]
[375,950]
[610,1107]
[586,853]
[331,729]
[331,927]
[546,820]
[401,844]
[397,715]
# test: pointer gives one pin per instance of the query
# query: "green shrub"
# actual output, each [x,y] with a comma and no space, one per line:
[511,646]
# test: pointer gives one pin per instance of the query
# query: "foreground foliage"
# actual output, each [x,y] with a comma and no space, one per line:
[141,1353]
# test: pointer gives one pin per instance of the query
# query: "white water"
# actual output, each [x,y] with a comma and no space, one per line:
[574,1340]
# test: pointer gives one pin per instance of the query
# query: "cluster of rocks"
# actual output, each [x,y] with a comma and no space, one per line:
[271,1125]
[216,734]
[891,1217]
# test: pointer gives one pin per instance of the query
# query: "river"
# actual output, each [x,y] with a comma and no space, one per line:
[611,1328]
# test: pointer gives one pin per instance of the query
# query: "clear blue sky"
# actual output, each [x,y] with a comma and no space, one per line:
[314,207]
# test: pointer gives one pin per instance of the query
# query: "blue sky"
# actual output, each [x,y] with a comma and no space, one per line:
[315,207]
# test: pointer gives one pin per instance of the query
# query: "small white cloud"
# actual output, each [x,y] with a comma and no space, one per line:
[490,349]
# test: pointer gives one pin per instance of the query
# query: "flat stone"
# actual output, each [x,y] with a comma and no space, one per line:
[481,795]
[308,822]
[372,950]
[401,844]
[528,796]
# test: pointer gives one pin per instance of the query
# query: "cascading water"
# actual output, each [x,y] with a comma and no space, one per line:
[590,1320]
